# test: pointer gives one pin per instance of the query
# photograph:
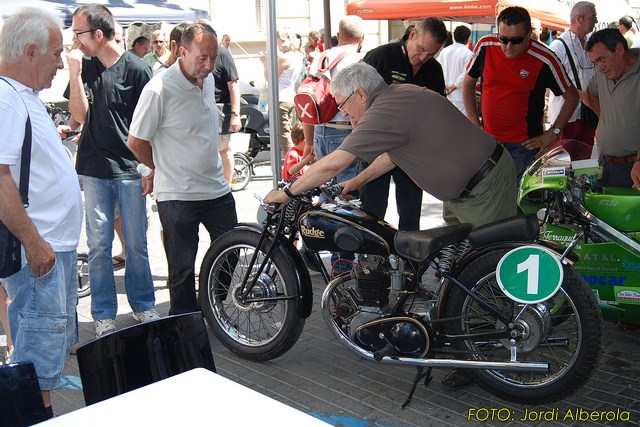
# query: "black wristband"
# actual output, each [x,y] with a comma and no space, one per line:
[288,192]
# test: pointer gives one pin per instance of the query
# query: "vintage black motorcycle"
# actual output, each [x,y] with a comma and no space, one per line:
[256,292]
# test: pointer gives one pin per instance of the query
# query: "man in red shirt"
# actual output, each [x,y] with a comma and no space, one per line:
[516,71]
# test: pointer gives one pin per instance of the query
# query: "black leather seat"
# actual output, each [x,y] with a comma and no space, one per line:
[142,354]
[20,397]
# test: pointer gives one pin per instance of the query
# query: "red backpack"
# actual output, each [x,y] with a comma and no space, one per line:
[314,102]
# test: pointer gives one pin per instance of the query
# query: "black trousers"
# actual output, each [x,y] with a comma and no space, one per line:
[375,198]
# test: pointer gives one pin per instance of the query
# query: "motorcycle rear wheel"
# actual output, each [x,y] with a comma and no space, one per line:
[564,331]
[84,286]
[241,172]
[260,330]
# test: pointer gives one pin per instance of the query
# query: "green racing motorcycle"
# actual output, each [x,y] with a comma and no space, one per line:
[602,222]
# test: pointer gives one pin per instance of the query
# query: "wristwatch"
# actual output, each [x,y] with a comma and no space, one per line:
[233,113]
[555,129]
[288,192]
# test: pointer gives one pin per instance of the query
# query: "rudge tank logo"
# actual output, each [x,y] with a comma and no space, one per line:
[312,232]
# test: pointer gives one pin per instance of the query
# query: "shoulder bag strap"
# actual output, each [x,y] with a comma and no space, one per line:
[573,65]
[25,158]
[333,63]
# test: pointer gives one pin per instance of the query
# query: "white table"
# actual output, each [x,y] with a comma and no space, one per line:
[194,398]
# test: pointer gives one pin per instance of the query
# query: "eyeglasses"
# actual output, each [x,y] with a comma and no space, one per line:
[341,106]
[158,41]
[512,40]
[78,32]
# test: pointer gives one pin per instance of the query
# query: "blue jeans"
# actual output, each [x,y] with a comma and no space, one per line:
[100,196]
[42,315]
[521,157]
[180,222]
[375,197]
[325,142]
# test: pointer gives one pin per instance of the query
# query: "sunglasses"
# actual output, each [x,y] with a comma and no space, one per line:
[512,40]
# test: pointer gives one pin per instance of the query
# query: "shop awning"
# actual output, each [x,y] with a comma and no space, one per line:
[551,13]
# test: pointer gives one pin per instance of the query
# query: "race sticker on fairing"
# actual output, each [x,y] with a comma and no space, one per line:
[529,274]
[554,172]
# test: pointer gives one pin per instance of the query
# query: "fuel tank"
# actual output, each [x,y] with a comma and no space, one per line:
[346,229]
[617,206]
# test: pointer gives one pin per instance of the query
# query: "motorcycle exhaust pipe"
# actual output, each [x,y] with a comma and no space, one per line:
[469,364]
[383,356]
[541,367]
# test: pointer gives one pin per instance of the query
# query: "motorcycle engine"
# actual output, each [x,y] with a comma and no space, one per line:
[373,281]
[408,336]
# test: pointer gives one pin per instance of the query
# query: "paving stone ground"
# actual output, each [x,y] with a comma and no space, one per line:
[321,377]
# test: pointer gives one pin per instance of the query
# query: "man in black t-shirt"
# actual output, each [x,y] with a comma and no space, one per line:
[228,97]
[103,92]
[409,60]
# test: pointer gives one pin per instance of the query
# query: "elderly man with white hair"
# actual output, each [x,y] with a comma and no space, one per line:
[44,290]
[443,152]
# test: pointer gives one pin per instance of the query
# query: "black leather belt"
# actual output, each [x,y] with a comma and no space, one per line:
[621,160]
[484,170]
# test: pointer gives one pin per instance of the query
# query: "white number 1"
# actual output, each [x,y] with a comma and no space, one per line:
[531,266]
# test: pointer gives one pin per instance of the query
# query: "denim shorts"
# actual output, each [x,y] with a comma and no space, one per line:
[42,315]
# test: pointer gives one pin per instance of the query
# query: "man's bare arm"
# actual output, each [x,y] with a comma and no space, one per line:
[592,102]
[78,103]
[570,98]
[379,167]
[308,130]
[39,253]
[469,99]
[144,153]
[234,93]
[318,173]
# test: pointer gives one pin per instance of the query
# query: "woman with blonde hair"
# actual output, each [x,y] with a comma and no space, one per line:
[290,65]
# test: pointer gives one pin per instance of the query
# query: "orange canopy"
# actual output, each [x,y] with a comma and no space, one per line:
[551,13]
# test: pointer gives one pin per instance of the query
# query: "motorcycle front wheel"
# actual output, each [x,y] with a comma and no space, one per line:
[241,172]
[257,330]
[563,331]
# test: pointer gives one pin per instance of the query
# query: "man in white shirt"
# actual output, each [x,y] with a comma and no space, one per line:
[44,291]
[572,42]
[454,59]
[174,131]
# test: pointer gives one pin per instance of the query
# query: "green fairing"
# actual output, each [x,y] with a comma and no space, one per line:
[618,207]
[610,268]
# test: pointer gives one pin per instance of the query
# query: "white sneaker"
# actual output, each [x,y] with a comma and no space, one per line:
[104,327]
[146,316]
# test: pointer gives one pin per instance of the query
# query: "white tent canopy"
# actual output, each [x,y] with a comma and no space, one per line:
[125,11]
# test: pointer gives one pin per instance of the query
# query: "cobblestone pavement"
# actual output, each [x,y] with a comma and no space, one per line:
[321,377]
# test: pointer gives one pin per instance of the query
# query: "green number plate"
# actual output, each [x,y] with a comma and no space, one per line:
[529,274]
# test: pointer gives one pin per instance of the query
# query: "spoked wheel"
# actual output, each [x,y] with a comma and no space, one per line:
[241,172]
[84,287]
[265,323]
[563,331]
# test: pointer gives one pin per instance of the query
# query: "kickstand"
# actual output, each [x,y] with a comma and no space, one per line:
[419,375]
